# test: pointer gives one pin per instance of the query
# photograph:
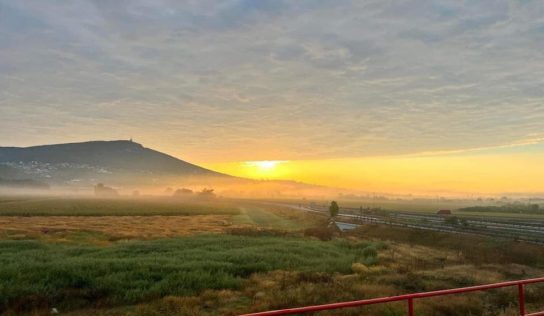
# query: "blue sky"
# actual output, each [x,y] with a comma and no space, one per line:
[265,80]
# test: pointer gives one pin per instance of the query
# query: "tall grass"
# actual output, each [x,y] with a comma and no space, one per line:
[33,273]
[475,249]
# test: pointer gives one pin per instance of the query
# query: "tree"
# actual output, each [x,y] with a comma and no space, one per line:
[333,209]
[183,192]
[206,193]
[105,191]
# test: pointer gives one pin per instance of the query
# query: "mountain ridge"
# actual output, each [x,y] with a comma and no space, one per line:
[94,161]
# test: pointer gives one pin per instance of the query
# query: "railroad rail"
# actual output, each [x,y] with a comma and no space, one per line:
[410,298]
[489,227]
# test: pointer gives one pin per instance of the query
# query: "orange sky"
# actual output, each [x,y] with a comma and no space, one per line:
[490,171]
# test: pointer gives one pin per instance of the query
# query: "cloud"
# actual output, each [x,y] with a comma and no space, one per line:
[273,80]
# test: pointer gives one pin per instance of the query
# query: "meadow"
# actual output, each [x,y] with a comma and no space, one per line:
[226,257]
[68,276]
[73,206]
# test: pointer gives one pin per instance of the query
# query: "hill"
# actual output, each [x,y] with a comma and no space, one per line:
[90,162]
[129,165]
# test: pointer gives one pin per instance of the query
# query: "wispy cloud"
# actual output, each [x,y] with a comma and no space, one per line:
[261,80]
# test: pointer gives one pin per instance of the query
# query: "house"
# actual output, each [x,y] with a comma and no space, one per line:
[443,212]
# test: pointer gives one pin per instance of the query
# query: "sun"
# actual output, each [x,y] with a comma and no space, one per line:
[264,164]
[260,168]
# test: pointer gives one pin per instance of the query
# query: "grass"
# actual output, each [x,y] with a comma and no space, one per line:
[35,274]
[426,206]
[94,264]
[63,220]
[501,214]
[112,207]
[473,249]
[259,217]
[401,269]
[106,229]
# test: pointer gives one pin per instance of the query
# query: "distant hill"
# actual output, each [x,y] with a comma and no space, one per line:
[126,164]
[91,162]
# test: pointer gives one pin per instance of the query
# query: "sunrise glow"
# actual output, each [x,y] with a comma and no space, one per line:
[270,169]
[489,171]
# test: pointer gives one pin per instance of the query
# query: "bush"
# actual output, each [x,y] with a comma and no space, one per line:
[370,252]
[322,233]
[359,268]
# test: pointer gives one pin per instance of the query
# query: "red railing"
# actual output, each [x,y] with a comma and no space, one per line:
[409,298]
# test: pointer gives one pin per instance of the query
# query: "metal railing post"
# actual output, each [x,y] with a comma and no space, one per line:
[410,307]
[521,294]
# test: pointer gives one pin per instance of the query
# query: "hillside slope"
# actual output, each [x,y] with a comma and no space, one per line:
[117,161]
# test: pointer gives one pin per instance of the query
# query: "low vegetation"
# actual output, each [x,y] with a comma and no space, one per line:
[113,207]
[233,257]
[38,275]
[514,208]
[104,230]
[469,248]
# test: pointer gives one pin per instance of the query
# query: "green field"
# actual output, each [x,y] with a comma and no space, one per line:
[262,218]
[112,207]
[409,205]
[501,214]
[77,276]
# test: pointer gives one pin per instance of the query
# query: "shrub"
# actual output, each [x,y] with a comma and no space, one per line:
[322,233]
[370,252]
[359,268]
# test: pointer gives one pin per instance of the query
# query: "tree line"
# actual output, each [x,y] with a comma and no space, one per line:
[520,208]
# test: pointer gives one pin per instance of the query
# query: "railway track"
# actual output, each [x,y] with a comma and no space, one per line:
[521,230]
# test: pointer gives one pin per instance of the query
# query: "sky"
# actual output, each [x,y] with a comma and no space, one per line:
[379,95]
